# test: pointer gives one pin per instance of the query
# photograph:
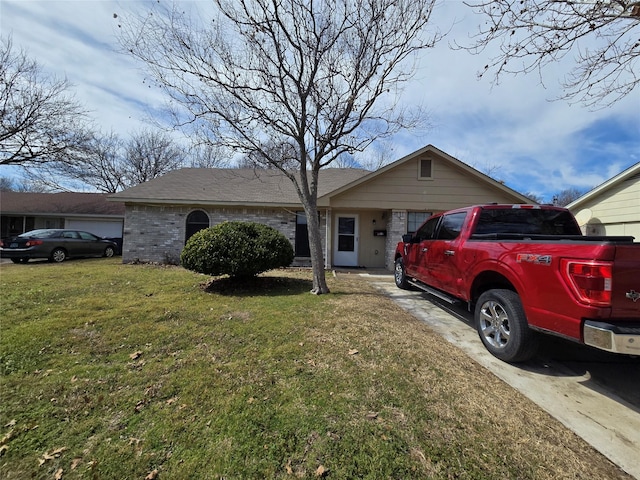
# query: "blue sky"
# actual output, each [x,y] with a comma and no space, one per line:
[531,143]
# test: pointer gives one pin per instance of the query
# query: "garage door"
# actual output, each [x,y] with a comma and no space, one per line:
[101,228]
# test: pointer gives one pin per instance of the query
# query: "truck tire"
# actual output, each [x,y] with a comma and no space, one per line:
[400,275]
[502,326]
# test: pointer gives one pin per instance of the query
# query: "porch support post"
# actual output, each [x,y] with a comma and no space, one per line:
[327,238]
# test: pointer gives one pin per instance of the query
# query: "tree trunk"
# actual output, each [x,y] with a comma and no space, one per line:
[317,257]
[308,193]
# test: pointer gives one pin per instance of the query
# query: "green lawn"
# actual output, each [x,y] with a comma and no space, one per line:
[114,371]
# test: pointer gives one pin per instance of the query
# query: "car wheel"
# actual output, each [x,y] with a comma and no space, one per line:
[16,260]
[400,276]
[109,252]
[502,326]
[58,255]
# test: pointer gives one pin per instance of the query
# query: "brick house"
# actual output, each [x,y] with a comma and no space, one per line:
[363,214]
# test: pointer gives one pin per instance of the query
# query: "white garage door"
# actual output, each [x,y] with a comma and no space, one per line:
[101,228]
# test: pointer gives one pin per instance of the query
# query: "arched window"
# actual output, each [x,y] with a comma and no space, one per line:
[196,221]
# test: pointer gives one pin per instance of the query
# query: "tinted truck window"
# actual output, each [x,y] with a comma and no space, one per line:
[527,221]
[451,226]
[425,232]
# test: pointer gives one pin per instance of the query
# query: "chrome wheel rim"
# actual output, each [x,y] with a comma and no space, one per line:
[58,256]
[494,324]
[399,273]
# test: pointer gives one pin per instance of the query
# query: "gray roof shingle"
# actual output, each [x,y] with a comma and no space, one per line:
[63,203]
[231,186]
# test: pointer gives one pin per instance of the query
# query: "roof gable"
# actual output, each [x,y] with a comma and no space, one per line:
[489,185]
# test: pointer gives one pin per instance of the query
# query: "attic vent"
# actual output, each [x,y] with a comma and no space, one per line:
[425,169]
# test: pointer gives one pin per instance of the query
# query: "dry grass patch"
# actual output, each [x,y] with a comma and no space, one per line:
[139,370]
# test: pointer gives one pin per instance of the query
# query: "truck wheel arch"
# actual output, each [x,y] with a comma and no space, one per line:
[489,280]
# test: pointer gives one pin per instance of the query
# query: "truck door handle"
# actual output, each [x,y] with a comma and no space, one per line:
[449,253]
[424,249]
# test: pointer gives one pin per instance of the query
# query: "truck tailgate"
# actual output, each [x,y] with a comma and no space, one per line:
[625,296]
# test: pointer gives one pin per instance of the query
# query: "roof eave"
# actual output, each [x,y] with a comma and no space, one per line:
[191,202]
[603,187]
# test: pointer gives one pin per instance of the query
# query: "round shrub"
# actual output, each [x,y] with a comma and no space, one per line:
[237,249]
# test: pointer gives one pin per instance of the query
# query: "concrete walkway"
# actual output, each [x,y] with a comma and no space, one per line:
[607,419]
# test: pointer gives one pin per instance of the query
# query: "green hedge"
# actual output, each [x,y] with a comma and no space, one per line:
[237,249]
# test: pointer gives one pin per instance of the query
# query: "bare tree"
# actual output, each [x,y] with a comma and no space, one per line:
[534,197]
[100,167]
[109,164]
[8,184]
[39,120]
[208,156]
[566,196]
[150,154]
[321,78]
[603,34]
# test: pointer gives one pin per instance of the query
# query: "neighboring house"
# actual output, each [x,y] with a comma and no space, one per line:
[363,214]
[91,212]
[612,208]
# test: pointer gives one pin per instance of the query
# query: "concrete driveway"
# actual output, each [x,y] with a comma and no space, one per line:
[593,393]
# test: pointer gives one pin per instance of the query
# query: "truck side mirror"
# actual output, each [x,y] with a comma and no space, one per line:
[407,237]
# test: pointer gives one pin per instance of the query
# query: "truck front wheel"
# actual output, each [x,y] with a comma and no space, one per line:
[502,326]
[400,275]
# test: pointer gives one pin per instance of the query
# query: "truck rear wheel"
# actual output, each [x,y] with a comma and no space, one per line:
[502,326]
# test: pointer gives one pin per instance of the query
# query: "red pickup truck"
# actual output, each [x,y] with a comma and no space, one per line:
[524,269]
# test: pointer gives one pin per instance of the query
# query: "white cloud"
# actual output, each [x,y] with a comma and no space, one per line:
[538,145]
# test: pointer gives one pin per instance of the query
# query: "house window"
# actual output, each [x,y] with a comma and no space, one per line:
[415,219]
[302,236]
[425,169]
[196,221]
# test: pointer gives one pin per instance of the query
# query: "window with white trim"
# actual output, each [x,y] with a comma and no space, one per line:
[415,219]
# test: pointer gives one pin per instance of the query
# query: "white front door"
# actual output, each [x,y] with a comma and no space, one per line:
[345,245]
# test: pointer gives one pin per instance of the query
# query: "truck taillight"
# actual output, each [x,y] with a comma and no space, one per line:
[590,281]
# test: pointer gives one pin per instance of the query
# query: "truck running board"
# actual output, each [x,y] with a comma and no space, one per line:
[432,291]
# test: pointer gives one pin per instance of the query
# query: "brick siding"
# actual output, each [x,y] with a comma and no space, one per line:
[157,233]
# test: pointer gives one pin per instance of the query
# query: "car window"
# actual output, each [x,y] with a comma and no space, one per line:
[40,234]
[88,236]
[70,235]
[451,226]
[425,232]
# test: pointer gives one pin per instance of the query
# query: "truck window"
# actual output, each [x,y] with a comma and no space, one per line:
[451,226]
[527,221]
[425,232]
